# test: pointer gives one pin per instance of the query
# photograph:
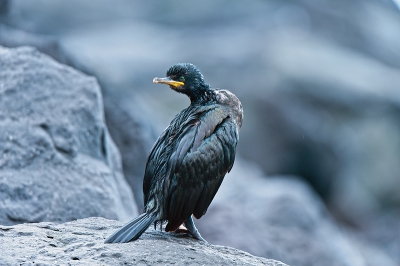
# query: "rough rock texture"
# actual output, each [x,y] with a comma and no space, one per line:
[81,243]
[133,135]
[279,218]
[57,160]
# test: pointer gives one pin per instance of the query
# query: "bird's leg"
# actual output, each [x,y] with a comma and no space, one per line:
[189,224]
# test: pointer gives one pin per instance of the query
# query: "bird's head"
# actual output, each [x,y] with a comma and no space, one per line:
[185,78]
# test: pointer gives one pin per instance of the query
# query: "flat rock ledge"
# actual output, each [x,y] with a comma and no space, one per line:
[80,242]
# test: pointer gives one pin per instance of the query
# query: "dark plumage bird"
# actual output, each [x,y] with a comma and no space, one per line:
[191,157]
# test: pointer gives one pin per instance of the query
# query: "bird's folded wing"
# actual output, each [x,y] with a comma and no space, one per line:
[204,155]
[152,164]
[178,136]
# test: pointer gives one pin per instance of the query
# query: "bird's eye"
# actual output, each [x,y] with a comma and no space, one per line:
[181,78]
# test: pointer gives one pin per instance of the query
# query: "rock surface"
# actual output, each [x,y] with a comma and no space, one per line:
[81,243]
[57,160]
[279,218]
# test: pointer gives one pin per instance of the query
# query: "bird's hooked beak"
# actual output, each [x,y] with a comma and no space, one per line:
[168,81]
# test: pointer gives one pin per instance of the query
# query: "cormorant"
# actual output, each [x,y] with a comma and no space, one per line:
[191,157]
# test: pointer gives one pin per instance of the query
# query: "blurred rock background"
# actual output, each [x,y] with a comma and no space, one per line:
[319,81]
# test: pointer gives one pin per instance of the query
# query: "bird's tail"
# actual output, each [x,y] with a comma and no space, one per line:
[132,230]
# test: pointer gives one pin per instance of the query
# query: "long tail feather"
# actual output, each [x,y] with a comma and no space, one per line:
[132,230]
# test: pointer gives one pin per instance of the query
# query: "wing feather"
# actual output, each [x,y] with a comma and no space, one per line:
[198,174]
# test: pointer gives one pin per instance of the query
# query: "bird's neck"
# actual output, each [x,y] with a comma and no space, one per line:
[201,95]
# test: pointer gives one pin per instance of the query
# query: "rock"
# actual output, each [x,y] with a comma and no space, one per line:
[132,133]
[81,242]
[381,232]
[313,122]
[279,218]
[335,21]
[57,160]
[134,136]
[373,253]
[134,139]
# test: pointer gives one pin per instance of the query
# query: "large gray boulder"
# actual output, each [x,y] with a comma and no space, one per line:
[279,218]
[57,160]
[81,242]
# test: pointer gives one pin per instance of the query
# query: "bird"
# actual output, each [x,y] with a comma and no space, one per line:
[190,159]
